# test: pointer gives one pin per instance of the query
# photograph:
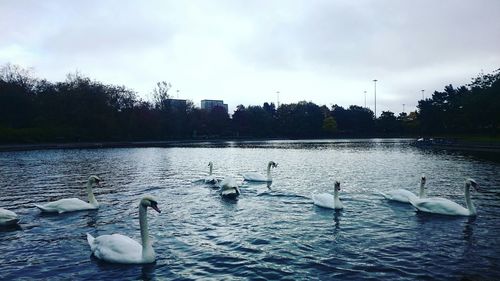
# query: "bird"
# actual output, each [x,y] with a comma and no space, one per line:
[258,177]
[74,204]
[403,195]
[438,205]
[8,217]
[228,188]
[326,200]
[210,179]
[117,248]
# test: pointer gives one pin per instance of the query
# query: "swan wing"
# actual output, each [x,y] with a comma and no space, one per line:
[7,217]
[324,200]
[253,176]
[66,205]
[400,195]
[116,248]
[440,206]
[211,179]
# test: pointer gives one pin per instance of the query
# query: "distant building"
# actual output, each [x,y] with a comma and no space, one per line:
[177,103]
[211,104]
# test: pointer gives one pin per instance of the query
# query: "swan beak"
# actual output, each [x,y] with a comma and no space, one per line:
[155,207]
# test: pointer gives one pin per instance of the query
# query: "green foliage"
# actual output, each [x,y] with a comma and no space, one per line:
[329,125]
[472,109]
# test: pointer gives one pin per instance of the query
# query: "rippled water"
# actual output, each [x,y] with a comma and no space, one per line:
[268,233]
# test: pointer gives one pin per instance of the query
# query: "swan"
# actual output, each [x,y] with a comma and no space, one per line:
[73,204]
[117,248]
[403,195]
[257,177]
[210,179]
[8,217]
[229,188]
[438,205]
[326,200]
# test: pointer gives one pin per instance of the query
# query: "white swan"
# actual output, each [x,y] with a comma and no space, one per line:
[445,206]
[257,177]
[117,248]
[229,188]
[403,195]
[210,179]
[326,200]
[8,217]
[74,204]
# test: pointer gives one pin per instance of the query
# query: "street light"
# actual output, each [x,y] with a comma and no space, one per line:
[423,94]
[403,107]
[278,98]
[375,84]
[365,99]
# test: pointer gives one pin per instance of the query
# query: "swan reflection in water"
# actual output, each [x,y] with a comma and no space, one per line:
[336,229]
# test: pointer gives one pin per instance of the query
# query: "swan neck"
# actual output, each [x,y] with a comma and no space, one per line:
[423,192]
[269,172]
[210,173]
[335,194]
[468,201]
[147,249]
[90,195]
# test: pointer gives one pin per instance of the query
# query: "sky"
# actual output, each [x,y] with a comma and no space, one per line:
[245,52]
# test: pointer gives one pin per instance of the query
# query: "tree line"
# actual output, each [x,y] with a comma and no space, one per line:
[81,109]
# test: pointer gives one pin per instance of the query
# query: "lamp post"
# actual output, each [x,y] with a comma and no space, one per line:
[403,107]
[375,90]
[423,94]
[278,99]
[177,94]
[365,99]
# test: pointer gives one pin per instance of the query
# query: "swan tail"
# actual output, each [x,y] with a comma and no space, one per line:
[382,194]
[42,208]
[90,239]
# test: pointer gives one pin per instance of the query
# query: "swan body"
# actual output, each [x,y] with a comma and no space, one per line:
[403,195]
[210,179]
[73,204]
[326,200]
[8,217]
[443,206]
[258,177]
[117,248]
[229,188]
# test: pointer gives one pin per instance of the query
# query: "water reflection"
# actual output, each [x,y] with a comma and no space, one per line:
[148,271]
[203,236]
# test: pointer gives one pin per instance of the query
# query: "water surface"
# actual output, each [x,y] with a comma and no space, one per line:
[268,233]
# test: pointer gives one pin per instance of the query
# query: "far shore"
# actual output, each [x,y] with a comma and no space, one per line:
[437,143]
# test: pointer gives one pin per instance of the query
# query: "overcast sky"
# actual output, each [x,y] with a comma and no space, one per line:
[243,52]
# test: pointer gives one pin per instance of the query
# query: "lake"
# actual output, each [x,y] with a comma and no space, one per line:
[268,233]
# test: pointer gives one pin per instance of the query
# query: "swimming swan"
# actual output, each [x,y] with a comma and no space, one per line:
[326,200]
[403,195]
[117,248]
[8,217]
[229,188]
[74,204]
[445,206]
[257,177]
[210,179]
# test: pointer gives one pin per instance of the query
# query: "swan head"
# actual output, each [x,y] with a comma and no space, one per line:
[473,183]
[94,180]
[210,164]
[150,201]
[423,179]
[337,186]
[272,164]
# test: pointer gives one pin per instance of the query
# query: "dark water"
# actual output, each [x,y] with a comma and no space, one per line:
[272,234]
